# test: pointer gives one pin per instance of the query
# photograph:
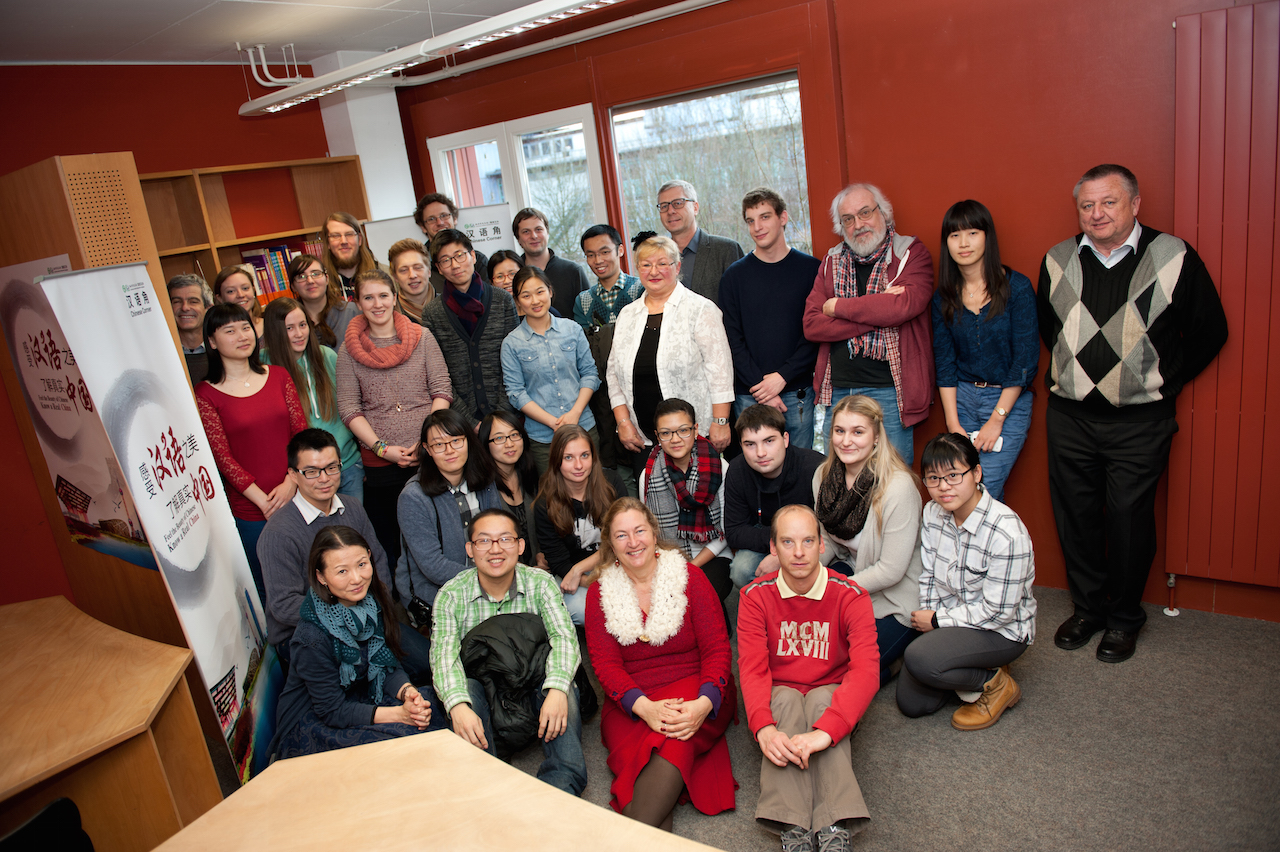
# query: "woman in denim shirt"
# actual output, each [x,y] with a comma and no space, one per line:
[985,344]
[547,367]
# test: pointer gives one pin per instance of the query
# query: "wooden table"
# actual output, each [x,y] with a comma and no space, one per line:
[427,791]
[103,717]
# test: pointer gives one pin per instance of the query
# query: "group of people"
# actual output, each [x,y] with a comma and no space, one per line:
[425,455]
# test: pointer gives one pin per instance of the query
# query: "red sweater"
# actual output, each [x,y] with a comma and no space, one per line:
[249,436]
[803,643]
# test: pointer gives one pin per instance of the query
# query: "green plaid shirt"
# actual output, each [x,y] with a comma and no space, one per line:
[461,604]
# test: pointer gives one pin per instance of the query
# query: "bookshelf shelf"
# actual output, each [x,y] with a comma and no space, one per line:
[266,238]
[171,252]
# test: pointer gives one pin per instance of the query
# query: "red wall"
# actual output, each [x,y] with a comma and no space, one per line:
[171,117]
[1000,100]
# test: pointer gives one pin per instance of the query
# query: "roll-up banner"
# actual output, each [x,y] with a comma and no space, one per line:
[116,328]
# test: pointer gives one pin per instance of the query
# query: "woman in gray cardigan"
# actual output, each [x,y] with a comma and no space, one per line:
[454,483]
[869,504]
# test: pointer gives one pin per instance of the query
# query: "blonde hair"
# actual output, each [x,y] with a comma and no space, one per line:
[653,245]
[884,462]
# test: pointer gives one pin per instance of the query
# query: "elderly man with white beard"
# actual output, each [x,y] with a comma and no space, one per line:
[868,312]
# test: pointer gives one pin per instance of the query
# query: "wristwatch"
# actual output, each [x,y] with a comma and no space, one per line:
[1002,412]
[720,421]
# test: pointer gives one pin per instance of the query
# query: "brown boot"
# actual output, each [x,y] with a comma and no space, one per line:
[999,694]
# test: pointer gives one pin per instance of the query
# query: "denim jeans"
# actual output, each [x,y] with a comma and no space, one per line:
[352,484]
[902,437]
[892,639]
[974,406]
[565,767]
[799,414]
[576,603]
[742,569]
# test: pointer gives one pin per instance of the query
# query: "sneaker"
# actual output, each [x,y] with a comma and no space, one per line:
[998,695]
[833,838]
[797,839]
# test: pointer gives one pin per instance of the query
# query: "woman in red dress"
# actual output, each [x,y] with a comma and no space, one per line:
[658,643]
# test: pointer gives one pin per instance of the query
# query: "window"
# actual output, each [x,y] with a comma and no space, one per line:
[725,142]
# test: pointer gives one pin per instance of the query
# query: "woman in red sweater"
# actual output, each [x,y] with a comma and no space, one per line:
[659,646]
[249,413]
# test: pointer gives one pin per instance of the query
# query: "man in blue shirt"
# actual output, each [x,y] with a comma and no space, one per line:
[762,298]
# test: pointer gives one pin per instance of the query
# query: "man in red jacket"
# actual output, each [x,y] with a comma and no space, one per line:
[869,314]
[809,668]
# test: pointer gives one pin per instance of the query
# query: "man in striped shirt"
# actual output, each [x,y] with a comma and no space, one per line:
[497,586]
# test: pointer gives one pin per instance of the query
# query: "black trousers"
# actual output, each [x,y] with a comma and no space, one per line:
[382,487]
[1102,482]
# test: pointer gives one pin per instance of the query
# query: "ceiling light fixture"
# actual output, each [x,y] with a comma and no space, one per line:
[465,38]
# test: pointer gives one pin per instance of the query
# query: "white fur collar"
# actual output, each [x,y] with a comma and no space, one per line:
[667,601]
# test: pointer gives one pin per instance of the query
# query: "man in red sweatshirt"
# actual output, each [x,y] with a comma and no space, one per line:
[809,667]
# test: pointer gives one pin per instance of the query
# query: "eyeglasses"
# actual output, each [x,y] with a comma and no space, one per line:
[343,237]
[506,542]
[451,259]
[603,254]
[437,447]
[863,215]
[443,218]
[953,478]
[676,203]
[667,434]
[501,440]
[661,266]
[504,277]
[314,472]
[314,275]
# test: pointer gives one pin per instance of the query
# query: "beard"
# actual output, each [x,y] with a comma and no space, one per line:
[347,261]
[866,240]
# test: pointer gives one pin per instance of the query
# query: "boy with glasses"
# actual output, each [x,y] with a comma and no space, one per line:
[499,585]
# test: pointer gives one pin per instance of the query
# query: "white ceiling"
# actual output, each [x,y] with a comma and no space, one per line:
[129,31]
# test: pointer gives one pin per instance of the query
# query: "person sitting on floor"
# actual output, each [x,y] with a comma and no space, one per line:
[498,585]
[809,665]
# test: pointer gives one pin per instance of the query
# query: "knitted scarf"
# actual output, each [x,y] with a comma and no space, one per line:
[361,346]
[685,504]
[347,627]
[874,344]
[623,618]
[468,305]
[843,511]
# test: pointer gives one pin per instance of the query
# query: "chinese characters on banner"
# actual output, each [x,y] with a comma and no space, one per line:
[488,227]
[134,375]
[95,502]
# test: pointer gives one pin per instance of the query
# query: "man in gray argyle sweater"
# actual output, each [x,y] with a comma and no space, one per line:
[1129,315]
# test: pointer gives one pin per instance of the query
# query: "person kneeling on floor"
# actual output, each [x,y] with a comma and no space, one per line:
[976,612]
[809,665]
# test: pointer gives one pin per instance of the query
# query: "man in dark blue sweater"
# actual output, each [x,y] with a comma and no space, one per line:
[762,298]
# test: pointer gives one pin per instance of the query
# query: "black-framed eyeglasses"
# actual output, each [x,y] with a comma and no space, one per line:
[676,203]
[451,259]
[437,447]
[955,477]
[314,275]
[668,434]
[502,440]
[314,472]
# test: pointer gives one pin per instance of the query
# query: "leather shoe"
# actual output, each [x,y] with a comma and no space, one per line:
[998,695]
[1117,646]
[1075,632]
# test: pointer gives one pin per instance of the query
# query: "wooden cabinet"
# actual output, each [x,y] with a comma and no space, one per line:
[202,218]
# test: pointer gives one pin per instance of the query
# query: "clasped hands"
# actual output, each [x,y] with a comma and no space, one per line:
[782,749]
[673,717]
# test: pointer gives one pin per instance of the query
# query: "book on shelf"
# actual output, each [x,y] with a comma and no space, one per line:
[271,265]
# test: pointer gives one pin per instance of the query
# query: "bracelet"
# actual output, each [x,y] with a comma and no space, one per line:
[379,448]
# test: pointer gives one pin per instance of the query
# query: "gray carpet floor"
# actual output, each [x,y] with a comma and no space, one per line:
[1176,749]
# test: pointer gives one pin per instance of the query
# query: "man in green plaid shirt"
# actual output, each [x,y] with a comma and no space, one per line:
[498,585]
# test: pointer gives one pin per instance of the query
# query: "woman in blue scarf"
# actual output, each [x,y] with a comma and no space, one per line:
[346,686]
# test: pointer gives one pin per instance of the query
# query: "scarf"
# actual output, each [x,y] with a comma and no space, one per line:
[348,626]
[874,344]
[412,311]
[468,305]
[667,602]
[685,504]
[361,346]
[843,511]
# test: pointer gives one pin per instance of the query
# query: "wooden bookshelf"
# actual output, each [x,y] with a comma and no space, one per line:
[203,218]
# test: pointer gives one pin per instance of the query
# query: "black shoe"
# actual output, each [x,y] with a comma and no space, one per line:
[1075,632]
[1117,646]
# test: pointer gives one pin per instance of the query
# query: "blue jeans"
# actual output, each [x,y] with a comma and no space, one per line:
[565,767]
[742,569]
[974,406]
[352,484]
[902,437]
[799,414]
[576,603]
[892,639]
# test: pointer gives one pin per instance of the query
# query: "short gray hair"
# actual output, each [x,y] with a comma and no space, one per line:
[1107,170]
[685,187]
[886,209]
[190,279]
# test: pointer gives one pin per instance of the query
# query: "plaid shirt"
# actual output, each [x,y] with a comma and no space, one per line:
[979,574]
[584,306]
[461,604]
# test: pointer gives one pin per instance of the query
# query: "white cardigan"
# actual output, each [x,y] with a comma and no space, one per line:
[694,361]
